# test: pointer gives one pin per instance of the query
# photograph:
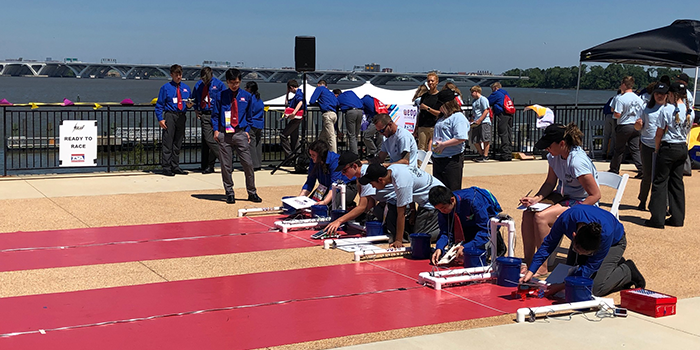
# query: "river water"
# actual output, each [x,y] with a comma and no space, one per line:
[33,89]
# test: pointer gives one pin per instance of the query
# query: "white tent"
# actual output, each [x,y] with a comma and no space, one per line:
[387,96]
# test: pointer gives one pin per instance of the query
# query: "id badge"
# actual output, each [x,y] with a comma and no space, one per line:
[227,116]
[175,100]
[320,193]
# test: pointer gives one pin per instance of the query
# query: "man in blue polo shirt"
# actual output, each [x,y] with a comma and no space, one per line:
[597,244]
[170,111]
[328,103]
[205,92]
[371,138]
[400,145]
[231,117]
[351,106]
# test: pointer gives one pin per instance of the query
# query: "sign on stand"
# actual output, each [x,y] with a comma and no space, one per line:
[404,116]
[78,143]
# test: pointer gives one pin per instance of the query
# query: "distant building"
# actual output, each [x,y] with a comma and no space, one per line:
[387,70]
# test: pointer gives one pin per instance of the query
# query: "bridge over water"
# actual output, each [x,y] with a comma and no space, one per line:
[160,71]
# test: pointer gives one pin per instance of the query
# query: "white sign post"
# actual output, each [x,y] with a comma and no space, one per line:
[78,143]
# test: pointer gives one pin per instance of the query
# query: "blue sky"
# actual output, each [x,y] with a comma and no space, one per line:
[404,35]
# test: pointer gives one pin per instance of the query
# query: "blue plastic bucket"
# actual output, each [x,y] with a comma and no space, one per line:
[578,288]
[335,214]
[374,228]
[288,209]
[420,246]
[474,257]
[319,211]
[508,271]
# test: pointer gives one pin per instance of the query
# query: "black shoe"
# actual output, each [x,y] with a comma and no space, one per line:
[168,172]
[179,171]
[254,198]
[670,222]
[637,278]
[642,206]
[639,176]
[230,199]
[208,170]
[480,159]
[257,169]
[649,223]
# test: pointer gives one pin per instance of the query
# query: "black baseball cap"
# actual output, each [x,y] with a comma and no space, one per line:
[553,133]
[661,88]
[677,86]
[446,95]
[345,159]
[683,77]
[373,173]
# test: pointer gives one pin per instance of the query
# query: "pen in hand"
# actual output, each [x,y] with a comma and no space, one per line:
[521,202]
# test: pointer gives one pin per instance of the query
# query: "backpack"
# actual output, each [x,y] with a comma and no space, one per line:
[508,106]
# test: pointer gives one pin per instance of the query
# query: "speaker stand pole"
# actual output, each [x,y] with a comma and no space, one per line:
[301,144]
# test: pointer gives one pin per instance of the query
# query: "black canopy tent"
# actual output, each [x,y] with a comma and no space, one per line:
[677,45]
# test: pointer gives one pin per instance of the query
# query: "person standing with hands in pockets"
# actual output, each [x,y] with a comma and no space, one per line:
[170,111]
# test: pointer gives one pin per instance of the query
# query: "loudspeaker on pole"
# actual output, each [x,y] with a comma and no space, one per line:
[305,53]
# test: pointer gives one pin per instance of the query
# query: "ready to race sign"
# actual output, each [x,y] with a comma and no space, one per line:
[404,116]
[78,143]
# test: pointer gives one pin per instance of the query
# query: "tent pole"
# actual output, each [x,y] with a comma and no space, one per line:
[695,90]
[578,82]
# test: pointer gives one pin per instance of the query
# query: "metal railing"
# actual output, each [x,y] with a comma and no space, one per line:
[129,137]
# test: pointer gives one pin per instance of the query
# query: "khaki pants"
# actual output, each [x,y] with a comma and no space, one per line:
[328,131]
[425,135]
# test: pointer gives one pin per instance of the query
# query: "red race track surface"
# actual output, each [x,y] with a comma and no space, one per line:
[103,245]
[262,309]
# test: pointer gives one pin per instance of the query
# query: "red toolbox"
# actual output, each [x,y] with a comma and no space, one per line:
[648,302]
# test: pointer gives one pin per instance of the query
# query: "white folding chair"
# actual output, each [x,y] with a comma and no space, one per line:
[424,157]
[617,182]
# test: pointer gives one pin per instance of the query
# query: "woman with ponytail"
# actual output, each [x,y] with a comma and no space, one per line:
[572,179]
[671,153]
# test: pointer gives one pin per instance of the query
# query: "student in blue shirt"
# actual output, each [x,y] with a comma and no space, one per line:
[399,145]
[371,138]
[232,120]
[463,216]
[597,245]
[296,107]
[351,106]
[170,110]
[205,92]
[450,132]
[257,111]
[323,167]
[328,103]
[672,151]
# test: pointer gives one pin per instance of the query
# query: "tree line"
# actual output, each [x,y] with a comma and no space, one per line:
[592,78]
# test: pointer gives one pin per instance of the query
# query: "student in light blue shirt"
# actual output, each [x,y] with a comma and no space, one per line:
[412,185]
[672,151]
[571,174]
[399,145]
[627,109]
[647,124]
[449,134]
[482,123]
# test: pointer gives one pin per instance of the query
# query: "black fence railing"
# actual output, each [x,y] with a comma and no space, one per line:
[129,138]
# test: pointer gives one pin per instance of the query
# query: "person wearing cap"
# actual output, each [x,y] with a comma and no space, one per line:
[647,124]
[482,123]
[463,216]
[572,179]
[449,134]
[671,153]
[411,185]
[350,166]
[323,166]
[351,106]
[205,92]
[371,137]
[627,109]
[597,245]
[399,144]
[328,104]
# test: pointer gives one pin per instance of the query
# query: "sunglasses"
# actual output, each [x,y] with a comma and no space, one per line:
[381,131]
